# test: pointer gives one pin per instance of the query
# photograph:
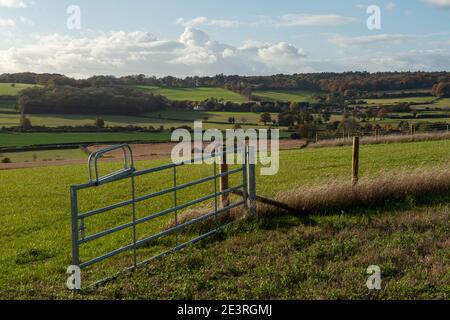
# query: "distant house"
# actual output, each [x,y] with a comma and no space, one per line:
[199,108]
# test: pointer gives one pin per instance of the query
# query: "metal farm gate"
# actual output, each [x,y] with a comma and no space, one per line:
[245,189]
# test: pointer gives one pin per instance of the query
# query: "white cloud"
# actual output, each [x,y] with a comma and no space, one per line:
[7,23]
[439,3]
[304,20]
[370,40]
[121,53]
[203,21]
[281,54]
[287,20]
[195,53]
[13,3]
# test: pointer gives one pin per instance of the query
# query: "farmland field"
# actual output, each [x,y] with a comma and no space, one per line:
[167,119]
[6,89]
[7,106]
[195,94]
[18,140]
[443,103]
[389,101]
[287,95]
[45,155]
[35,220]
[33,139]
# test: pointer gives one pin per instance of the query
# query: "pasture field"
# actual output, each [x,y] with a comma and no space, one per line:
[34,139]
[390,101]
[287,95]
[168,119]
[440,103]
[20,140]
[211,116]
[35,233]
[284,257]
[195,94]
[6,89]
[7,106]
[44,155]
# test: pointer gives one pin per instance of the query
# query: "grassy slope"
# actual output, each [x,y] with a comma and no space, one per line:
[35,219]
[30,139]
[399,100]
[195,94]
[290,258]
[287,95]
[168,119]
[7,90]
[45,155]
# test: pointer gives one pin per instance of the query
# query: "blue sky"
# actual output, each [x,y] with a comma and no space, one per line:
[199,37]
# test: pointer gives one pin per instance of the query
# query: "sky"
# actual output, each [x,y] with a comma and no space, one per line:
[207,37]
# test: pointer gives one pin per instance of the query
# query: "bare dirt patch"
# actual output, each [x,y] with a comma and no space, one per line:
[151,151]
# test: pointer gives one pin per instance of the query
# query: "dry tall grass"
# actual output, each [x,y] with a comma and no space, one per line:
[369,192]
[336,196]
[382,139]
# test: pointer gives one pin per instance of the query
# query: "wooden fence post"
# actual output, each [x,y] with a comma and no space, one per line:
[355,161]
[224,180]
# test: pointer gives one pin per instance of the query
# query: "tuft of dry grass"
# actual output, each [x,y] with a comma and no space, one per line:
[206,225]
[382,139]
[369,192]
[336,196]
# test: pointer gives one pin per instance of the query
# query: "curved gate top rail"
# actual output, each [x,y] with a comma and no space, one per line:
[246,189]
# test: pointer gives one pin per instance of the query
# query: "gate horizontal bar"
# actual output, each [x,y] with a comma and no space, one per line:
[157,215]
[159,235]
[157,169]
[156,194]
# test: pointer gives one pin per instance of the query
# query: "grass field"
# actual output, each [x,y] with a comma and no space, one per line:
[440,103]
[6,89]
[33,139]
[287,95]
[35,232]
[390,101]
[286,258]
[195,94]
[7,106]
[45,155]
[168,119]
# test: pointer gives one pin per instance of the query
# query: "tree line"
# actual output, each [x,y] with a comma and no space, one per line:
[92,100]
[348,82]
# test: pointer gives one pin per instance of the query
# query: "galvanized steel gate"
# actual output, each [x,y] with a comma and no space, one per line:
[79,219]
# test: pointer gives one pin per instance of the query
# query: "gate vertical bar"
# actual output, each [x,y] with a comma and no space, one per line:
[252,178]
[244,174]
[224,180]
[216,204]
[175,200]
[133,195]
[74,213]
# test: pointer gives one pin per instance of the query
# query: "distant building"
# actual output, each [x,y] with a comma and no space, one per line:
[199,108]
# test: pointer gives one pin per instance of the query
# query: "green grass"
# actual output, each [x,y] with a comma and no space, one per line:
[195,94]
[6,89]
[441,104]
[168,119]
[287,95]
[320,258]
[33,139]
[188,117]
[7,106]
[44,155]
[35,229]
[390,101]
